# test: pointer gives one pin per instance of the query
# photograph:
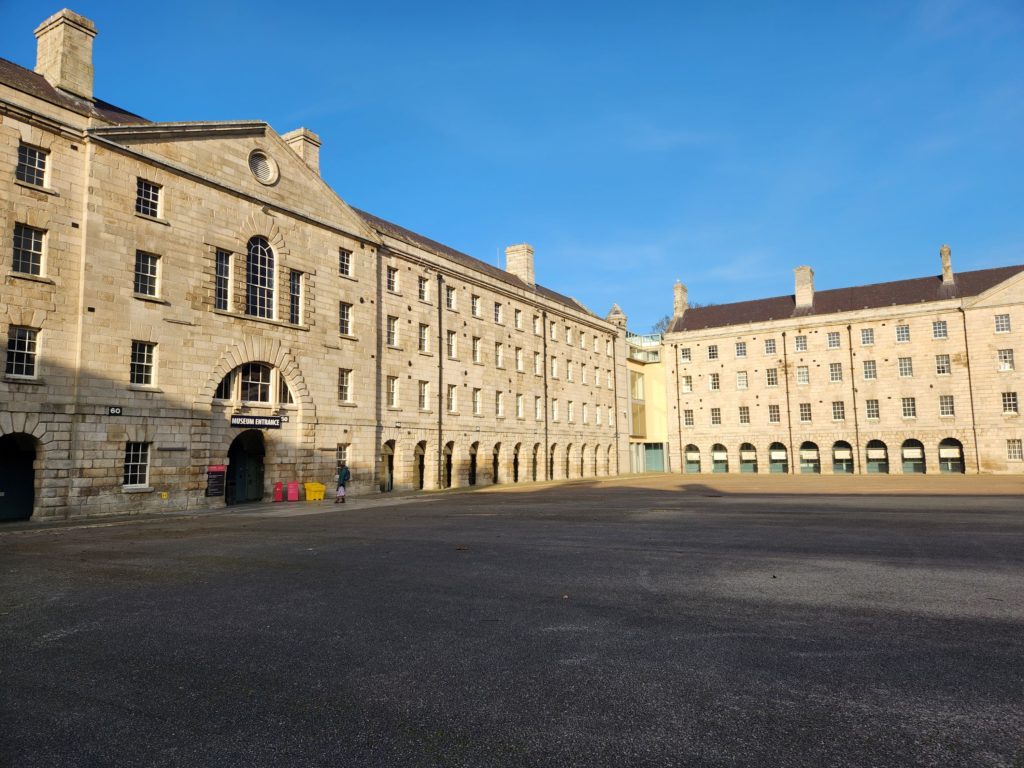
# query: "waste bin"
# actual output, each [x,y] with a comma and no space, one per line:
[315,491]
[293,490]
[278,491]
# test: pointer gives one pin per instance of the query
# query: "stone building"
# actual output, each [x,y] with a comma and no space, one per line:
[908,376]
[193,315]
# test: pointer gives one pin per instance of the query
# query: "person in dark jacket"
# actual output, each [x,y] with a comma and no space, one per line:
[344,475]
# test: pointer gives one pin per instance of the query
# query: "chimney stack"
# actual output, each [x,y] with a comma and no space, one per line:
[947,265]
[519,262]
[804,287]
[64,52]
[680,300]
[616,316]
[306,145]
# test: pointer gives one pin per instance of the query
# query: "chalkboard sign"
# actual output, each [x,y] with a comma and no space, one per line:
[215,475]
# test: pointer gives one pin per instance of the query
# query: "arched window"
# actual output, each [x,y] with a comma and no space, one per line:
[259,279]
[254,383]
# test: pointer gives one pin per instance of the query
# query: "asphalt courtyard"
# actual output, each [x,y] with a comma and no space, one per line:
[640,622]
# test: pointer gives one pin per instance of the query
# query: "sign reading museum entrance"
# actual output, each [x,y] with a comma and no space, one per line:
[259,422]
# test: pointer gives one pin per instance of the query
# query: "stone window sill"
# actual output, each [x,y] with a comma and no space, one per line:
[151,299]
[137,489]
[33,380]
[267,320]
[145,388]
[154,219]
[31,278]
[37,188]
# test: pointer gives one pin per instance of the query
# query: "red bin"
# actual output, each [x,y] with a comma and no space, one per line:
[293,490]
[278,491]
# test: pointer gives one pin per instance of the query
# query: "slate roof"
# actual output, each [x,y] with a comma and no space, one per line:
[401,233]
[896,293]
[34,84]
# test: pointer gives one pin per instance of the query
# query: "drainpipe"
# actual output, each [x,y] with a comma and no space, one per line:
[853,390]
[789,413]
[970,388]
[440,381]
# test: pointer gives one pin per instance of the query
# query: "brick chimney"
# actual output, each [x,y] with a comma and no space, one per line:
[519,262]
[64,52]
[306,145]
[804,287]
[947,265]
[680,300]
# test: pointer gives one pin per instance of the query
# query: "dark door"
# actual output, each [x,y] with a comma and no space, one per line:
[17,477]
[515,468]
[472,469]
[421,466]
[245,468]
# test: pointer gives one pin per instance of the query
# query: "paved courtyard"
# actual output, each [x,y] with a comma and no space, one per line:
[641,622]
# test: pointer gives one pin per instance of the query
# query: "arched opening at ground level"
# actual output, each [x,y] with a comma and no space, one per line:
[386,474]
[246,456]
[842,458]
[719,458]
[535,462]
[778,459]
[446,479]
[951,456]
[496,464]
[748,458]
[691,459]
[515,462]
[912,454]
[18,452]
[810,459]
[420,461]
[473,449]
[878,458]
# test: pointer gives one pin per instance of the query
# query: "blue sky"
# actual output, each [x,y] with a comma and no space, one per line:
[634,144]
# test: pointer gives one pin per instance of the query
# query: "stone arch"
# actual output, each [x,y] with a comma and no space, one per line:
[259,224]
[25,316]
[26,423]
[260,350]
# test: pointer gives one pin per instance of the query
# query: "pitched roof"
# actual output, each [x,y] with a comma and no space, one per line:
[34,84]
[401,233]
[896,293]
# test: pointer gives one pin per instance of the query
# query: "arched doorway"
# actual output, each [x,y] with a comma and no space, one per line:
[551,461]
[535,463]
[515,462]
[951,456]
[842,458]
[878,458]
[778,459]
[472,463]
[420,458]
[612,464]
[748,459]
[912,453]
[387,467]
[583,460]
[691,459]
[17,476]
[719,458]
[449,450]
[568,461]
[810,459]
[496,463]
[245,468]
[597,450]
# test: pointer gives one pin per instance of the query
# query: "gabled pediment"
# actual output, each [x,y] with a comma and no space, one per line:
[1009,291]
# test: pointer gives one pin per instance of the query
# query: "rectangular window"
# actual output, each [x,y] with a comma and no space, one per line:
[688,417]
[423,342]
[906,367]
[21,351]
[424,395]
[867,336]
[345,262]
[902,333]
[833,340]
[716,416]
[536,325]
[942,365]
[608,347]
[449,297]
[744,414]
[684,355]
[741,379]
[222,281]
[31,165]
[1002,323]
[583,340]
[583,373]
[537,363]
[800,343]
[553,335]
[499,355]
[344,318]
[392,331]
[769,346]
[772,377]
[392,391]
[741,349]
[774,414]
[146,268]
[538,408]
[946,406]
[835,371]
[838,410]
[1010,402]
[554,367]
[568,370]
[451,345]
[497,312]
[805,412]
[713,381]
[28,250]
[871,409]
[519,359]
[939,329]
[147,198]
[255,383]
[712,351]
[294,297]
[422,288]
[475,349]
[519,406]
[554,410]
[909,405]
[568,335]
[803,374]
[136,464]
[570,411]
[344,385]
[1005,358]
[452,398]
[1015,449]
[392,279]
[142,370]
[687,383]
[474,305]
[517,319]
[870,369]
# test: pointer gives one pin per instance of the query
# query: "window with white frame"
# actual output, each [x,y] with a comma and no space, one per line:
[222,280]
[259,278]
[583,340]
[902,334]
[800,343]
[946,407]
[22,351]
[833,340]
[942,365]
[255,380]
[554,367]
[1010,402]
[519,359]
[517,319]
[741,349]
[477,401]
[136,465]
[608,347]
[423,338]
[688,417]
[744,414]
[344,262]
[31,165]
[686,383]
[771,376]
[424,395]
[774,414]
[870,369]
[714,381]
[422,289]
[741,379]
[568,370]
[538,364]
[684,355]
[474,305]
[147,268]
[142,370]
[392,331]
[340,454]
[451,344]
[716,416]
[838,410]
[583,413]
[294,297]
[28,250]
[871,409]
[499,355]
[537,331]
[519,406]
[939,329]
[450,297]
[583,373]
[497,312]
[1005,359]
[568,335]
[499,404]
[1015,449]
[392,390]
[769,346]
[909,406]
[553,331]
[344,318]
[475,349]
[867,337]
[712,351]
[1002,323]
[609,378]
[344,385]
[805,412]
[391,279]
[906,367]
[835,371]
[803,374]
[452,398]
[147,198]
[538,408]
[570,411]
[554,410]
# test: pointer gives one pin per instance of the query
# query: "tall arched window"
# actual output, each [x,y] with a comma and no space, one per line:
[259,279]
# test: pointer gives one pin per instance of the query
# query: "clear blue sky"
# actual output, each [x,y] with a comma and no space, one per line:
[632,144]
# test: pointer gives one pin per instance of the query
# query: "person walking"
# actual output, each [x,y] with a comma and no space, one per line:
[344,475]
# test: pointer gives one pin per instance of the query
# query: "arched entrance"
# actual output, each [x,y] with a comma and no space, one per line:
[535,464]
[810,459]
[719,458]
[245,468]
[612,464]
[495,463]
[420,459]
[842,458]
[912,453]
[17,476]
[878,458]
[778,459]
[515,462]
[449,449]
[551,461]
[951,456]
[472,463]
[583,460]
[748,459]
[691,459]
[597,450]
[568,461]
[387,467]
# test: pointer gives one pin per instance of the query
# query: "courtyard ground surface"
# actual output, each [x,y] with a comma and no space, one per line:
[662,621]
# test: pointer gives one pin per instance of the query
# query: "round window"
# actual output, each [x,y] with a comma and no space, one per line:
[262,167]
